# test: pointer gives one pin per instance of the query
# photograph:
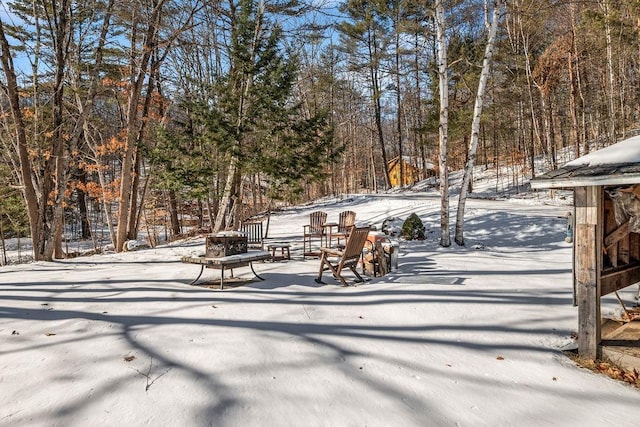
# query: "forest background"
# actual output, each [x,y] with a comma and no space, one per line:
[120,115]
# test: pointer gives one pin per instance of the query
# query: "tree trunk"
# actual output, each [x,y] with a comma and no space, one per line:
[398,92]
[135,211]
[475,125]
[85,107]
[573,84]
[530,83]
[3,262]
[173,213]
[62,28]
[372,162]
[638,59]
[107,207]
[419,131]
[227,194]
[85,227]
[139,70]
[445,236]
[377,107]
[610,75]
[28,187]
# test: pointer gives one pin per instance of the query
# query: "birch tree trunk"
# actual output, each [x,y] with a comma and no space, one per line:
[445,235]
[545,105]
[477,113]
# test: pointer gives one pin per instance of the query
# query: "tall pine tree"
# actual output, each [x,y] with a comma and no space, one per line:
[250,116]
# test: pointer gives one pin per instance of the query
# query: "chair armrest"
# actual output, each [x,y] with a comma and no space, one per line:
[332,252]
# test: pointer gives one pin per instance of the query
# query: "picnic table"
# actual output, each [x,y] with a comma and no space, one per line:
[227,262]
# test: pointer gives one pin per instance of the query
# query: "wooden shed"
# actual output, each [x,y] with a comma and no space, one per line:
[411,173]
[606,245]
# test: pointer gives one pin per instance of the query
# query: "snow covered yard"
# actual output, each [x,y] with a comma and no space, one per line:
[456,336]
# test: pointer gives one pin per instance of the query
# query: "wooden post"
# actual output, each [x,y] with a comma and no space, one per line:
[588,268]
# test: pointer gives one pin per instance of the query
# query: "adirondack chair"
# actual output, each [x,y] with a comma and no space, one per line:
[314,230]
[346,221]
[337,260]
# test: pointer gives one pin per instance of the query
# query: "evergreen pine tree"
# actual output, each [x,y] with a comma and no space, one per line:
[249,115]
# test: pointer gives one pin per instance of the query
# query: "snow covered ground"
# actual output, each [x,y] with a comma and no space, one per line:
[455,336]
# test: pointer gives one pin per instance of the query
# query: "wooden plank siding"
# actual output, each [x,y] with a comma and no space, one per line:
[621,266]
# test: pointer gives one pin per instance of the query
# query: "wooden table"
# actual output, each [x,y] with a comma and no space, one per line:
[227,262]
[285,251]
[328,231]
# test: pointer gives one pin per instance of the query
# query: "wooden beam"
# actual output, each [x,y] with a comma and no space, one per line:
[619,279]
[588,265]
[586,205]
[610,224]
[616,235]
[634,247]
[587,292]
[587,181]
[623,250]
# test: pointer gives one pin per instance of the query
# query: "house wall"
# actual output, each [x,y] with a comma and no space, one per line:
[411,174]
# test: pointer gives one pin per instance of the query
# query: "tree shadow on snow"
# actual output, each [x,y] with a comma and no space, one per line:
[329,321]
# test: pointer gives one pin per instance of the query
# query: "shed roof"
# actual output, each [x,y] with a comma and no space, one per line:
[618,164]
[413,161]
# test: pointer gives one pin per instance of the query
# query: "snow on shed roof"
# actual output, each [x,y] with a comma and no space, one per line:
[617,164]
[627,151]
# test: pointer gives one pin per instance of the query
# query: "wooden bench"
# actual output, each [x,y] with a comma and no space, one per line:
[227,262]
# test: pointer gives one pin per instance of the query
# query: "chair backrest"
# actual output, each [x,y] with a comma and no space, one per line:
[355,243]
[253,230]
[346,220]
[316,221]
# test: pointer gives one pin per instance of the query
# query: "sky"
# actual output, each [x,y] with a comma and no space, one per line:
[454,336]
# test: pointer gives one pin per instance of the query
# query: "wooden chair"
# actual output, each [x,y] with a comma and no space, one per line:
[255,237]
[346,221]
[313,230]
[337,260]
